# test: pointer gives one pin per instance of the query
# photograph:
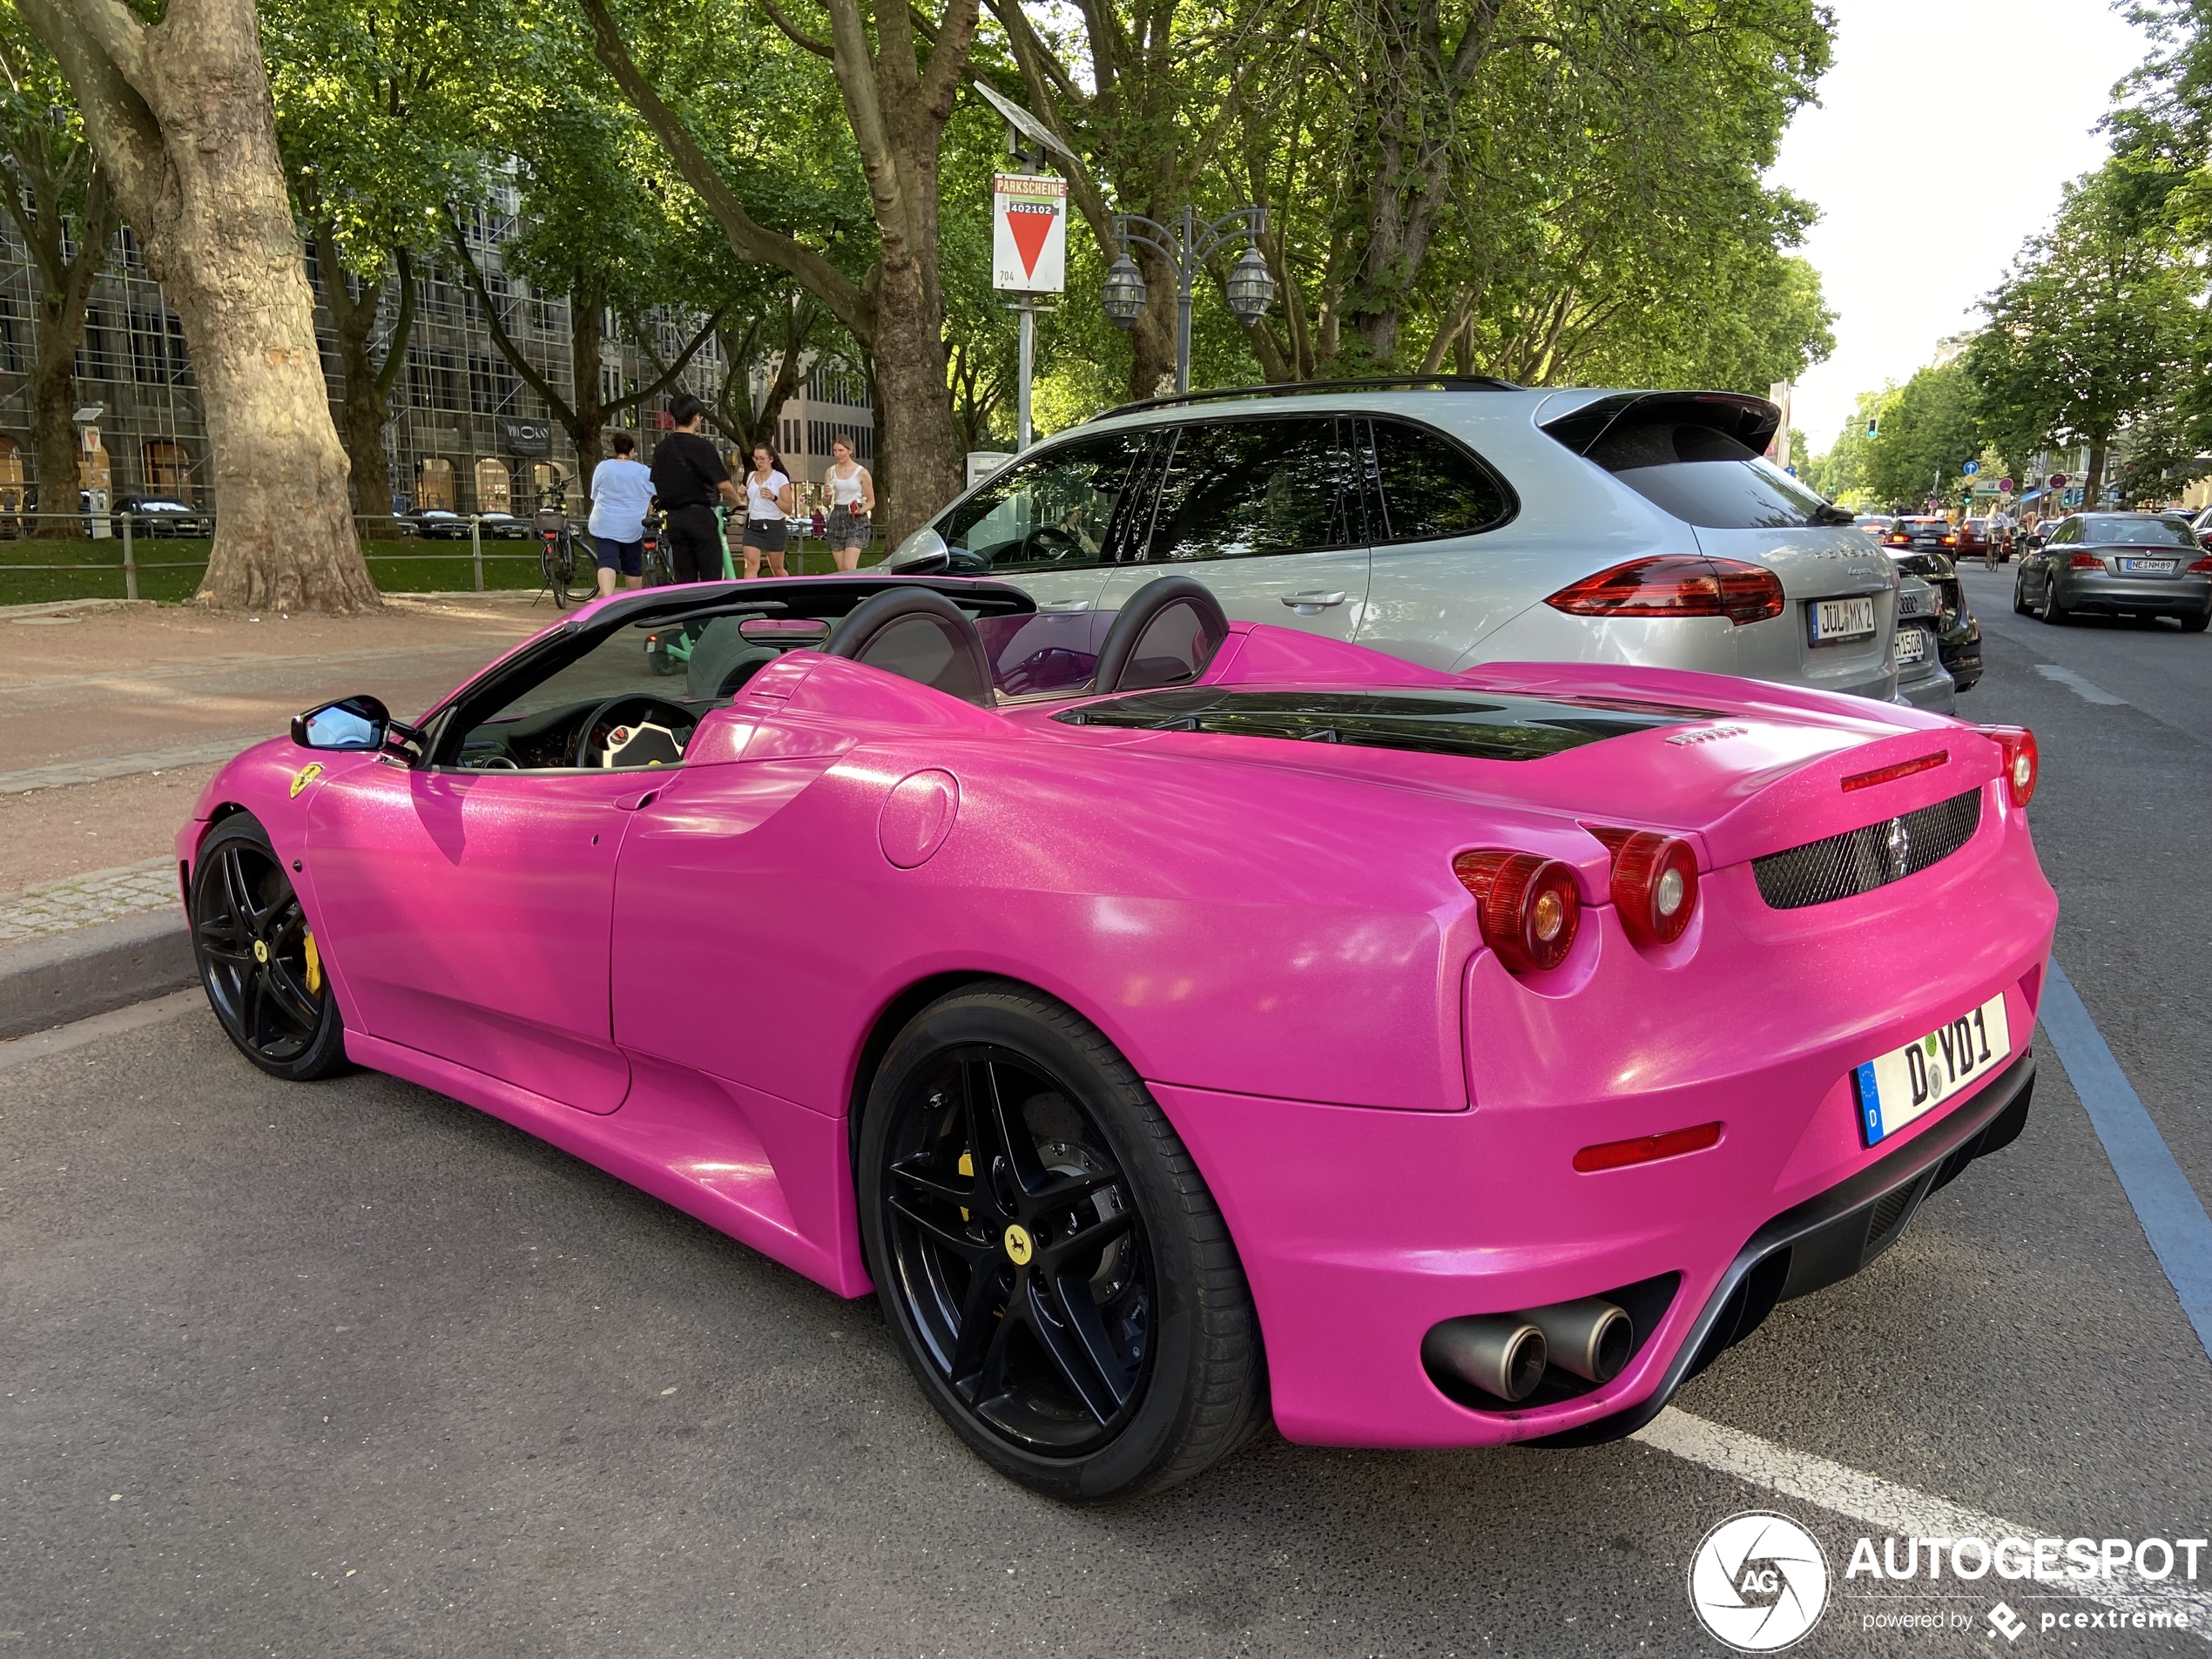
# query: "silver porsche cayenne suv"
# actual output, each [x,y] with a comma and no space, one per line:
[1452,522]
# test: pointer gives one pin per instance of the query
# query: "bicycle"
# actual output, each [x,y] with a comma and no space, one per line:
[557,553]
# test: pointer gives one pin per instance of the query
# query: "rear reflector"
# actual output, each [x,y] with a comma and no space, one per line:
[1675,585]
[1619,1155]
[1890,774]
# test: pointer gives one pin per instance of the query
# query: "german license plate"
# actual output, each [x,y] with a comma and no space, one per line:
[2148,566]
[1905,1084]
[1843,618]
[1912,647]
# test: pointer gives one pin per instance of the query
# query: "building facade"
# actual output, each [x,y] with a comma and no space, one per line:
[466,433]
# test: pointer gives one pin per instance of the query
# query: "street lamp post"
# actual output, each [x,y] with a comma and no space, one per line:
[1186,247]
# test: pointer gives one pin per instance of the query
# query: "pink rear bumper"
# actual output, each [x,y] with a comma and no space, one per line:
[1359,1228]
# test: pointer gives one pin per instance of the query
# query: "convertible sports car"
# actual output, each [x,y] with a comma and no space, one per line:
[1172,1022]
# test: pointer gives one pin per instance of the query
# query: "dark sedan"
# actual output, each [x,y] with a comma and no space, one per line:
[435,524]
[1923,547]
[2141,564]
[163,515]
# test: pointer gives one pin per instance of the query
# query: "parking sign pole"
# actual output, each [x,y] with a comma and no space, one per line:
[476,548]
[1028,307]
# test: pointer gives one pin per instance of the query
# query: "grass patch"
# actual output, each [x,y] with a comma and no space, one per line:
[170,568]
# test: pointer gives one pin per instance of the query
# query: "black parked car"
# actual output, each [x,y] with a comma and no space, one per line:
[1924,547]
[505,527]
[435,524]
[2143,564]
[161,515]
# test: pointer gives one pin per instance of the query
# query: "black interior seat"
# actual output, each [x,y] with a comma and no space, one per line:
[919,635]
[1165,635]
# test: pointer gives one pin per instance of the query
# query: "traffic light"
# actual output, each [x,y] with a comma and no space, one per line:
[1873,426]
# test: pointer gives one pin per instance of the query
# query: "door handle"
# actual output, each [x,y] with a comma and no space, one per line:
[1309,604]
[632,803]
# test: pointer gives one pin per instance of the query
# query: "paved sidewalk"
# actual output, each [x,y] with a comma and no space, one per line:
[86,900]
[112,717]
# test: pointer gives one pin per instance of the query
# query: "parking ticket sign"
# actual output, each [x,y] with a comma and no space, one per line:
[1029,232]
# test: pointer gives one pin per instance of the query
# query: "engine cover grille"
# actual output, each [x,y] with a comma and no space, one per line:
[1859,861]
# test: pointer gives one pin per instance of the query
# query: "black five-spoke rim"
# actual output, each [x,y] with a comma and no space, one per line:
[1018,1252]
[254,953]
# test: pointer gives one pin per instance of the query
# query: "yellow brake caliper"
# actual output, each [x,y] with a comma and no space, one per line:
[314,967]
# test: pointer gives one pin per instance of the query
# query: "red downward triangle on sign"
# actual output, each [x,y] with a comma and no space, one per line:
[1030,232]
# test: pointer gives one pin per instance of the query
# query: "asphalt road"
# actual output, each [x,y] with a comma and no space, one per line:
[352,1369]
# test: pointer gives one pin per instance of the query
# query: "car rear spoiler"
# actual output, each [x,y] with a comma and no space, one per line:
[1752,422]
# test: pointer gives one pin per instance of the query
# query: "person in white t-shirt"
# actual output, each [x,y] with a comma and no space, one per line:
[852,520]
[769,500]
[622,491]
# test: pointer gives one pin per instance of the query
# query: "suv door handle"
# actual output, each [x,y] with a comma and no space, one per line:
[1307,604]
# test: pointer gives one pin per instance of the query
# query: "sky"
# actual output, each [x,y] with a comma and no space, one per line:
[1950,125]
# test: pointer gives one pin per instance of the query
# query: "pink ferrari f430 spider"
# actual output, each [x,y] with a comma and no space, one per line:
[1173,1022]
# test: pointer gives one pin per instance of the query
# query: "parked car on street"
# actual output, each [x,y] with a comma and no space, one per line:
[505,527]
[435,524]
[1450,522]
[1875,524]
[2138,564]
[1922,680]
[161,515]
[1923,546]
[1175,1022]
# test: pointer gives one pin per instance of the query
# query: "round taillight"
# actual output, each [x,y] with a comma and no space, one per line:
[1655,886]
[2023,762]
[1527,906]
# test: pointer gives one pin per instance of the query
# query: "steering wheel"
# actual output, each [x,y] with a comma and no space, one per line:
[1051,541]
[636,705]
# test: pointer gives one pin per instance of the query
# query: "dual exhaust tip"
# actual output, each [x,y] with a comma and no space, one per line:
[1507,1354]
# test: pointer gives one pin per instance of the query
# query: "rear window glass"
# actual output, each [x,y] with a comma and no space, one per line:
[1705,477]
[1483,727]
[2138,532]
[1432,488]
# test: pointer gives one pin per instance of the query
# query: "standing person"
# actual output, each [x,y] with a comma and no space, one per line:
[768,502]
[852,520]
[689,477]
[622,492]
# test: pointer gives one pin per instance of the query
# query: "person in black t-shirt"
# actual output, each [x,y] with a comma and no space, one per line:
[689,477]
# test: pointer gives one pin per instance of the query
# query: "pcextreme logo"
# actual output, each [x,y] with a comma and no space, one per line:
[1758,1582]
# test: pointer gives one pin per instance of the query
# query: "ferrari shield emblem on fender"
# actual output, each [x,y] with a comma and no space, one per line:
[304,776]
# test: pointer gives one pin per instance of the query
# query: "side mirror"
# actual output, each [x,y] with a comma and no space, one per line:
[352,723]
[924,553]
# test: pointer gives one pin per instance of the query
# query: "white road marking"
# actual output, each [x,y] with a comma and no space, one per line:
[2087,691]
[21,1051]
[1888,1509]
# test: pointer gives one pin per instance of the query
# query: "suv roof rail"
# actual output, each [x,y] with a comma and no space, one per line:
[1292,389]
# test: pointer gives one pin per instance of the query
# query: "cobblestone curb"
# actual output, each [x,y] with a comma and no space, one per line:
[52,981]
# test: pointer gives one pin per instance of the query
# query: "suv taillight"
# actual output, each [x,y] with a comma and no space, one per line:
[1529,907]
[1675,585]
[2023,764]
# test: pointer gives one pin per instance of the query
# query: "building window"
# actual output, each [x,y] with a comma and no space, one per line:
[434,482]
[168,469]
[433,380]
[495,486]
[157,349]
[10,476]
[491,384]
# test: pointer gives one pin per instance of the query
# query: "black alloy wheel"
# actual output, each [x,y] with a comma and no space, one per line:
[259,961]
[1059,1278]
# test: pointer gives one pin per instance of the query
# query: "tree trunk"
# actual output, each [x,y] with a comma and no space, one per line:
[587,422]
[365,402]
[53,434]
[180,117]
[2093,481]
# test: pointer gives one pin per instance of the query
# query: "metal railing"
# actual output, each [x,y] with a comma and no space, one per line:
[128,529]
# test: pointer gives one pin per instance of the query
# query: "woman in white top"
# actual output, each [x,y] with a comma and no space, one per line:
[851,506]
[768,502]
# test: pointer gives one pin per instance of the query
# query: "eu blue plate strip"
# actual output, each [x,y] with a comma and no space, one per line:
[2173,1219]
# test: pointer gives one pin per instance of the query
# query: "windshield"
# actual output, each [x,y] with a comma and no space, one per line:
[2107,530]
